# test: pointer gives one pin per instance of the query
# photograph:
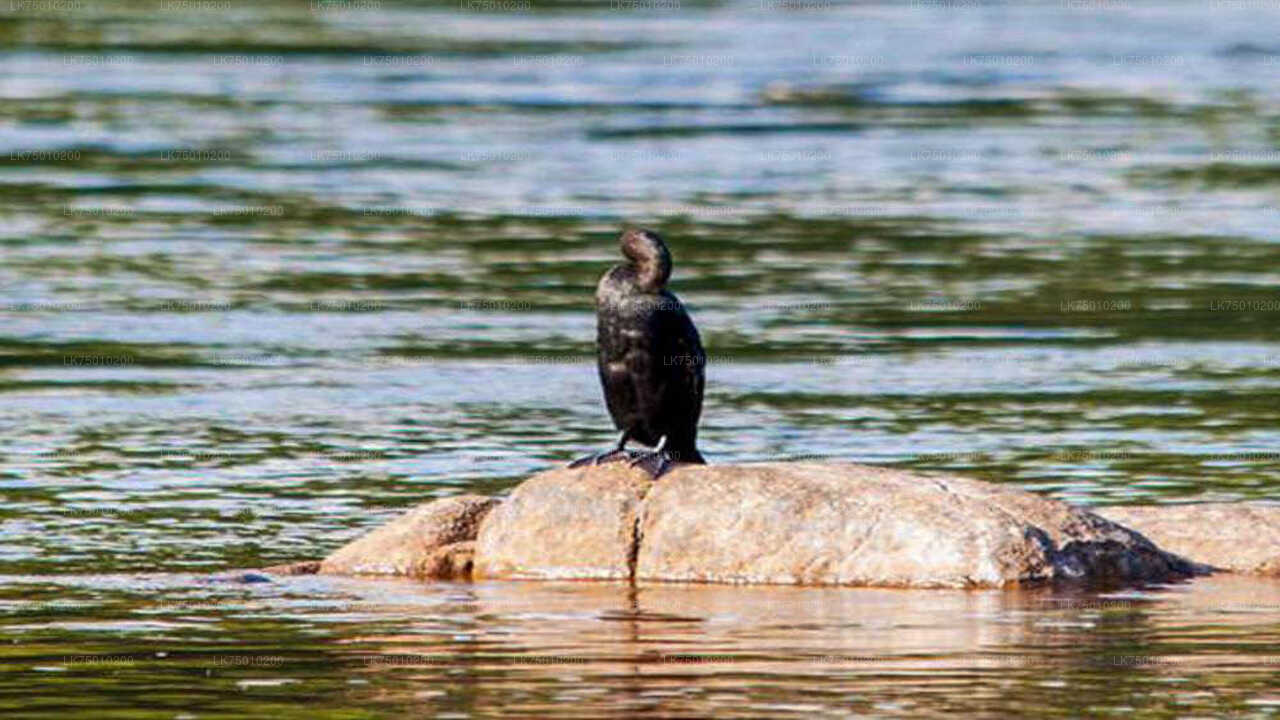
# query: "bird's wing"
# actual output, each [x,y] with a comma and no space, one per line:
[681,349]
[620,358]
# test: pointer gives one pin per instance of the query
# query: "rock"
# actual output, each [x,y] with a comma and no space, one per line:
[306,567]
[449,562]
[856,525]
[804,523]
[246,577]
[429,541]
[565,524]
[1239,537]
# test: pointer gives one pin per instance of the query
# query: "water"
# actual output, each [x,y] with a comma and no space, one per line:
[271,275]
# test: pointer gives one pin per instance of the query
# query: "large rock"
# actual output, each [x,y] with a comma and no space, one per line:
[1239,537]
[430,541]
[565,524]
[804,523]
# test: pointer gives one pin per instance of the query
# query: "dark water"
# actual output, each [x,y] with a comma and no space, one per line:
[272,273]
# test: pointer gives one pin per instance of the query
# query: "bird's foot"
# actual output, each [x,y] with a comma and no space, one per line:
[656,462]
[605,456]
[619,451]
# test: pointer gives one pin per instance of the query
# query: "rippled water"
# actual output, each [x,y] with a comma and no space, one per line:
[272,274]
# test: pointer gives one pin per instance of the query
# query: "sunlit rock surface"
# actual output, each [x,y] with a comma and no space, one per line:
[430,541]
[1238,537]
[803,523]
[565,523]
[807,524]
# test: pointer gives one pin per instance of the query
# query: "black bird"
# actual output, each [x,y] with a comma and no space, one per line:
[651,360]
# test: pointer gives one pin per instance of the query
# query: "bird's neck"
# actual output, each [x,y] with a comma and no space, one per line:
[652,273]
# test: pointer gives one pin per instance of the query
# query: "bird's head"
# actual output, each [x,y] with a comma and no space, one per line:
[648,256]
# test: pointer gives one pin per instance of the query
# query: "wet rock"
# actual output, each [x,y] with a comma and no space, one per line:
[429,541]
[804,523]
[1237,537]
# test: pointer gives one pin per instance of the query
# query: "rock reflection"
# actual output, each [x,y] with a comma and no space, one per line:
[677,649]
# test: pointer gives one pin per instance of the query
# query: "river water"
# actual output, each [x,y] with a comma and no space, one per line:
[271,274]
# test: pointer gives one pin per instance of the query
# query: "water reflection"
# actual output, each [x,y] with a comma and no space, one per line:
[583,649]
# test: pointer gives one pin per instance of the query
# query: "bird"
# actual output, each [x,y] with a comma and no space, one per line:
[650,359]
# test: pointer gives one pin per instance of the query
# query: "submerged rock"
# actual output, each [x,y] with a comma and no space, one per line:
[305,567]
[429,541]
[246,577]
[804,523]
[1238,537]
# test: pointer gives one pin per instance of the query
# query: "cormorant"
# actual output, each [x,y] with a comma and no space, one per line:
[651,360]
